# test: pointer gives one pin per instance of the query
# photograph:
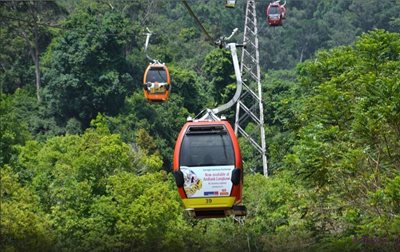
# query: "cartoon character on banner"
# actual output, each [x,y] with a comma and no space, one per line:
[192,182]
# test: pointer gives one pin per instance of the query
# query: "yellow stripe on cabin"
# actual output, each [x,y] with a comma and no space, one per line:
[203,203]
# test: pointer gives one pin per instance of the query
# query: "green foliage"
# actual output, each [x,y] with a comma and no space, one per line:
[276,208]
[88,187]
[23,223]
[86,71]
[161,121]
[35,116]
[95,176]
[12,132]
[220,73]
[16,68]
[348,110]
[280,96]
[149,217]
[186,84]
[25,34]
[73,126]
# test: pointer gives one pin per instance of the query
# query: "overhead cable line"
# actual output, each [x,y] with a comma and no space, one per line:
[209,38]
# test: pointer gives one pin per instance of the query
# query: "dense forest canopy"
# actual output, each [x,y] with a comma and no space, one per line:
[85,160]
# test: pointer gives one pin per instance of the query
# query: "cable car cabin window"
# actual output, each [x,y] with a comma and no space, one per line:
[273,10]
[156,75]
[207,148]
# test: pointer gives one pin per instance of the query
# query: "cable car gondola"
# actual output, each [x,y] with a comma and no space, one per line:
[156,82]
[276,13]
[230,3]
[208,169]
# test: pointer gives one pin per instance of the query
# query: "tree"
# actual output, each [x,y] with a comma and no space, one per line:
[276,210]
[188,85]
[344,152]
[23,223]
[161,121]
[86,70]
[30,21]
[12,131]
[280,96]
[89,188]
[219,71]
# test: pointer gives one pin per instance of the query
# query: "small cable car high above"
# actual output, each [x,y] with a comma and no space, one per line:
[276,12]
[156,80]
[230,3]
[207,163]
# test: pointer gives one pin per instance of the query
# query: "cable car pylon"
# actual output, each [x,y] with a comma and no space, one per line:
[249,107]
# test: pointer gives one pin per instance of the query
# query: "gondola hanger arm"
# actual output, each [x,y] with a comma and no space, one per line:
[233,33]
[146,45]
[235,98]
[211,114]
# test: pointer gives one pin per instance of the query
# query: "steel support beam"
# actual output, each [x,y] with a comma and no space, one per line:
[249,109]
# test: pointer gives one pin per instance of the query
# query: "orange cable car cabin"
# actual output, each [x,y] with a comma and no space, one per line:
[208,169]
[275,14]
[156,83]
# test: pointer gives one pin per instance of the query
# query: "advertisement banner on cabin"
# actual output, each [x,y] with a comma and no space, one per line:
[207,181]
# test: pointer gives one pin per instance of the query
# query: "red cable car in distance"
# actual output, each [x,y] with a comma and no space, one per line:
[275,12]
[208,169]
[156,82]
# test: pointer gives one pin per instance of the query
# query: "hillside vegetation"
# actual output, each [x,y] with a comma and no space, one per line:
[86,160]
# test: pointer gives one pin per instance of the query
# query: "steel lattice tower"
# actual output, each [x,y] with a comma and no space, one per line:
[249,108]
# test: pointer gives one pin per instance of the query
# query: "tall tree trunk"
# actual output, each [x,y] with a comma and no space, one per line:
[35,56]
